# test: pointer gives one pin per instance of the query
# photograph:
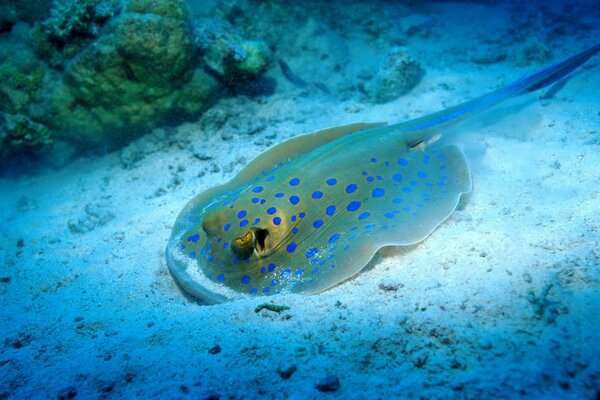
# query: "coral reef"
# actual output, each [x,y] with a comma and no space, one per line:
[19,134]
[139,74]
[70,18]
[229,55]
[29,11]
[396,77]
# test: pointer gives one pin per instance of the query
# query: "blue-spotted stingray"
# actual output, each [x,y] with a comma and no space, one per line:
[312,211]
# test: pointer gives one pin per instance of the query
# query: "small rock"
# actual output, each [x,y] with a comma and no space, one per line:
[485,345]
[390,286]
[271,307]
[216,349]
[210,396]
[396,77]
[67,393]
[330,383]
[287,371]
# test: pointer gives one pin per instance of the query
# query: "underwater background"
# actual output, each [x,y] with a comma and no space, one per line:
[115,113]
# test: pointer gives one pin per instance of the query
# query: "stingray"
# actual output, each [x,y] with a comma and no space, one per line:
[313,210]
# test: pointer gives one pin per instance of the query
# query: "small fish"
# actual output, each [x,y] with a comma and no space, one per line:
[297,81]
[312,211]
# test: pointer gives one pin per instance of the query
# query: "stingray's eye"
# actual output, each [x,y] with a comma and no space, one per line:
[244,245]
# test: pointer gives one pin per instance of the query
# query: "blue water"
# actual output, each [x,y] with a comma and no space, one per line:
[113,115]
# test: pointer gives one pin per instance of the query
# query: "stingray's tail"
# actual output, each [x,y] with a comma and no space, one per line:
[529,83]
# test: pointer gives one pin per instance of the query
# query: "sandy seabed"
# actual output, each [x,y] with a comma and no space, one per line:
[500,301]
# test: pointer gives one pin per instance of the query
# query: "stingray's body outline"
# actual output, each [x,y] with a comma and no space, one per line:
[308,214]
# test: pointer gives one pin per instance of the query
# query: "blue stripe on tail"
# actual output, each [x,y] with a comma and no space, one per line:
[527,84]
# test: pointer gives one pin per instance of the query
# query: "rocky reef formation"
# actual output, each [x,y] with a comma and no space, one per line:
[19,135]
[138,74]
[227,54]
[397,76]
[97,73]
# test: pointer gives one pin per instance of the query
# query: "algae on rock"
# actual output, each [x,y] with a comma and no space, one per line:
[19,134]
[139,74]
[396,77]
[226,53]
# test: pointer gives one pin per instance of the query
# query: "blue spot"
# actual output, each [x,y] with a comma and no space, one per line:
[428,184]
[263,270]
[294,182]
[373,160]
[397,177]
[294,230]
[291,247]
[242,214]
[293,218]
[286,272]
[245,279]
[257,189]
[271,267]
[378,192]
[353,206]
[397,200]
[302,215]
[364,173]
[379,178]
[299,272]
[255,200]
[351,188]
[422,174]
[194,238]
[386,163]
[364,215]
[441,157]
[311,252]
[426,158]
[262,201]
[244,222]
[225,245]
[317,195]
[193,254]
[330,210]
[331,181]
[221,278]
[389,215]
[370,179]
[276,220]
[318,223]
[266,290]
[274,282]
[294,200]
[278,195]
[253,291]
[407,190]
[406,208]
[442,167]
[256,221]
[271,210]
[219,240]
[315,270]
[270,178]
[403,161]
[414,183]
[210,258]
